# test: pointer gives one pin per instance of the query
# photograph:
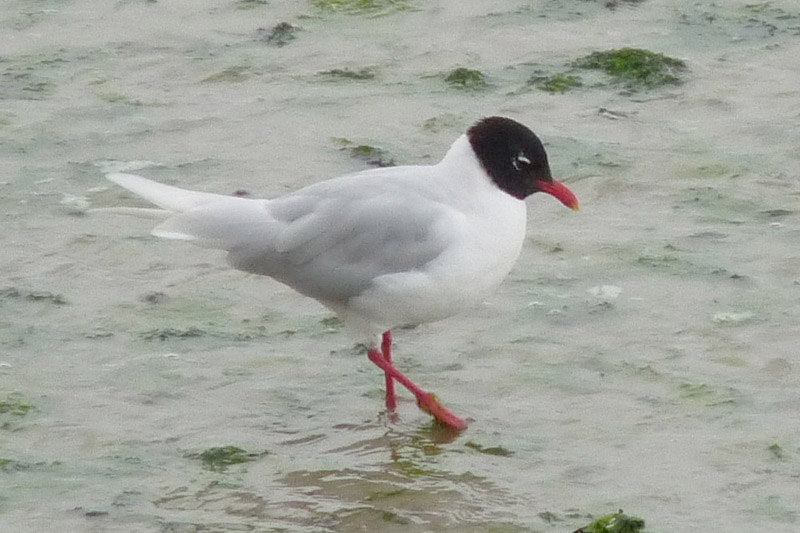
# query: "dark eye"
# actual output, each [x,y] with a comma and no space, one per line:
[520,161]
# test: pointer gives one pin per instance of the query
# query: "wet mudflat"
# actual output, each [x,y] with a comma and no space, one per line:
[642,355]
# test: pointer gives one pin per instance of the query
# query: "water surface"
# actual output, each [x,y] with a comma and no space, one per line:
[642,355]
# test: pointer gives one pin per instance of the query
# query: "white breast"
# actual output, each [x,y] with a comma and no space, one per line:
[485,228]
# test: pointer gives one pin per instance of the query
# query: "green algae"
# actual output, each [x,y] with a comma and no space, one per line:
[279,35]
[250,4]
[707,395]
[443,122]
[658,261]
[389,516]
[635,67]
[776,451]
[229,75]
[113,96]
[154,298]
[14,405]
[332,323]
[364,7]
[163,334]
[668,259]
[414,459]
[366,73]
[219,458]
[412,470]
[614,523]
[493,450]
[372,155]
[614,4]
[759,7]
[560,82]
[465,78]
[33,295]
[46,296]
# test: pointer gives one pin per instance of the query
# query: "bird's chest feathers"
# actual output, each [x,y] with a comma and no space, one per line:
[490,244]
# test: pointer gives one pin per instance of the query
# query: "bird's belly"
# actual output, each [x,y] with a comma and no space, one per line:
[458,280]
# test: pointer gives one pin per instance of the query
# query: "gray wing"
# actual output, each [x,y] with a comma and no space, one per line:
[331,245]
[328,241]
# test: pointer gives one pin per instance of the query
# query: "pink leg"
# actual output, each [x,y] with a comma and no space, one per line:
[386,349]
[425,400]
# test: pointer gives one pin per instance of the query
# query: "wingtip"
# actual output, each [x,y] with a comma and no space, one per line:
[114,176]
[122,179]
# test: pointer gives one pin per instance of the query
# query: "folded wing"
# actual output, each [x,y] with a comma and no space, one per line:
[328,241]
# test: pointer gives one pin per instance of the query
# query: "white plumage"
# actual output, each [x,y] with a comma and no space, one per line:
[385,247]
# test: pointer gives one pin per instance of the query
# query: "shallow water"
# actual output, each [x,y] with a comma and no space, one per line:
[642,355]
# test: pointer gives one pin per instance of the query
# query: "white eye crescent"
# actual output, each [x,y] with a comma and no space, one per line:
[520,160]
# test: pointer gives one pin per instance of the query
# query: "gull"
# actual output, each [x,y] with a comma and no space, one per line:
[385,247]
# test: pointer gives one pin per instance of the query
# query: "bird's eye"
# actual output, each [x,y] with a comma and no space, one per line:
[520,161]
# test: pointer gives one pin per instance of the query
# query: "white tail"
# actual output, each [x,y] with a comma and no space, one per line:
[206,219]
[166,197]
